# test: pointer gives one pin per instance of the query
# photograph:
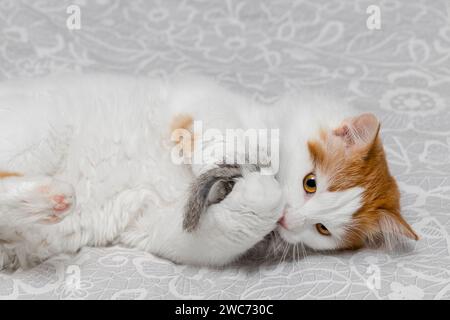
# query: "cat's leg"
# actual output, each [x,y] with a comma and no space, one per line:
[27,204]
[19,252]
[28,245]
[8,258]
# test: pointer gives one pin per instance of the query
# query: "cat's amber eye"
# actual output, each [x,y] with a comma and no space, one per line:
[322,229]
[309,183]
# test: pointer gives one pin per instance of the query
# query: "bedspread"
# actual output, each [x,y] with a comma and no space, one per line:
[397,66]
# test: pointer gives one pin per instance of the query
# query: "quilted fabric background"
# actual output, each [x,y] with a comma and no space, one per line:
[265,48]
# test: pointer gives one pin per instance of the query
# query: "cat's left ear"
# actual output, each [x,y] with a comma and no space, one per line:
[359,132]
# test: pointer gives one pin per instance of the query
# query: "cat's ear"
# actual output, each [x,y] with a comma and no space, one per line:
[392,225]
[358,132]
[209,188]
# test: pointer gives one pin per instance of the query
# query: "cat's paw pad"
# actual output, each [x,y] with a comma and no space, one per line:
[62,203]
[262,193]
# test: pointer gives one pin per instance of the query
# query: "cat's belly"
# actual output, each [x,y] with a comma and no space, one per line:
[121,174]
[107,203]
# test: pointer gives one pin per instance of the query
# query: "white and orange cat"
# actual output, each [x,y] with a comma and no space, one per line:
[88,161]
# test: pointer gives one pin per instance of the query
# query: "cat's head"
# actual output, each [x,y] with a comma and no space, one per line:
[342,195]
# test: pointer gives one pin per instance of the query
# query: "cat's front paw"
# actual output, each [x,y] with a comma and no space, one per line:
[262,194]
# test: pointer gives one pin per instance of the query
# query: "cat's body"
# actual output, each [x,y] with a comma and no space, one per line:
[88,161]
[109,139]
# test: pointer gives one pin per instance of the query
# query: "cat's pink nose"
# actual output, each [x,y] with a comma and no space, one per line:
[282,222]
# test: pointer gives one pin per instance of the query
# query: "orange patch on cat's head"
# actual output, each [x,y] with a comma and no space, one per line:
[353,156]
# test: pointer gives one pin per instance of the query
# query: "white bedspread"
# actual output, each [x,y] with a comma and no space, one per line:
[401,72]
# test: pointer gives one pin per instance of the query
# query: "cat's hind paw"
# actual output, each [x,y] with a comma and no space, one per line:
[41,199]
[54,199]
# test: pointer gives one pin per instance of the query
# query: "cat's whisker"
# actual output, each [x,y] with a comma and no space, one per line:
[279,243]
[304,253]
[285,251]
[293,254]
[296,258]
[282,255]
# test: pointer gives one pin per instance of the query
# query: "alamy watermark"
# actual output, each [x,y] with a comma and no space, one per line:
[73,278]
[373,282]
[373,22]
[73,21]
[230,146]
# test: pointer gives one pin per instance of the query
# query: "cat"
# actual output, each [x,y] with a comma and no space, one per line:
[88,160]
[338,189]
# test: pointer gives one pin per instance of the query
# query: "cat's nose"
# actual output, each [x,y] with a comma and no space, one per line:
[282,221]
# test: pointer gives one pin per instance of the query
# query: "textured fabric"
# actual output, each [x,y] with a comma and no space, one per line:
[264,48]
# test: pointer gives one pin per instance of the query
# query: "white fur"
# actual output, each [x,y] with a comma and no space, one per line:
[104,142]
[332,209]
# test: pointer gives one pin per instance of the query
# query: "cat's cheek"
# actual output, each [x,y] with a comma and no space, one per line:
[307,197]
[287,235]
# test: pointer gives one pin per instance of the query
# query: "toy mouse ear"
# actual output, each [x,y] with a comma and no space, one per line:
[358,132]
[209,188]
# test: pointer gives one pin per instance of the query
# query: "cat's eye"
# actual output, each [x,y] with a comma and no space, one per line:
[322,229]
[309,183]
